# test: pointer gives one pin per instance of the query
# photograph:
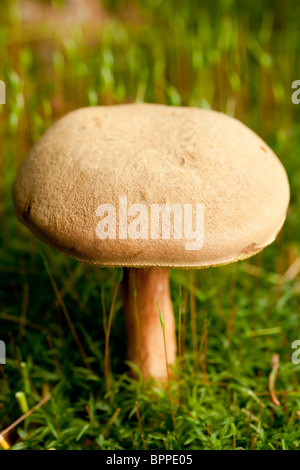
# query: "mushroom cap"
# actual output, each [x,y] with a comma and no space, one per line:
[152,154]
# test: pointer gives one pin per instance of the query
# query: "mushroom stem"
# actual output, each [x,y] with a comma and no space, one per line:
[141,286]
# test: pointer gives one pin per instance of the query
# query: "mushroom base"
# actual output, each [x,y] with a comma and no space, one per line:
[140,288]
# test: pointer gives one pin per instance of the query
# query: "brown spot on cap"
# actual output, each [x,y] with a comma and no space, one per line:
[26,211]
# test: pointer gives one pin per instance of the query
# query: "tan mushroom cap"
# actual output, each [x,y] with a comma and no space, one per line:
[153,154]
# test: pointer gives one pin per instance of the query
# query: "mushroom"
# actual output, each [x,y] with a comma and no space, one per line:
[151,187]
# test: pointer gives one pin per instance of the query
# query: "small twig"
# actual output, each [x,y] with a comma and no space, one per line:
[144,442]
[114,417]
[272,379]
[106,354]
[137,320]
[179,346]
[132,440]
[232,305]
[204,362]
[167,365]
[103,309]
[112,420]
[251,416]
[193,312]
[183,332]
[24,322]
[22,418]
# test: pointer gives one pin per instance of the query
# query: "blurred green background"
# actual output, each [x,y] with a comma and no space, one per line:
[238,57]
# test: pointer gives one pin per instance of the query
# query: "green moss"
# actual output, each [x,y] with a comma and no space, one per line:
[226,57]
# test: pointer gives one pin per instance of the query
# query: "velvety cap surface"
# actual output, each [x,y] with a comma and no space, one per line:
[149,155]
